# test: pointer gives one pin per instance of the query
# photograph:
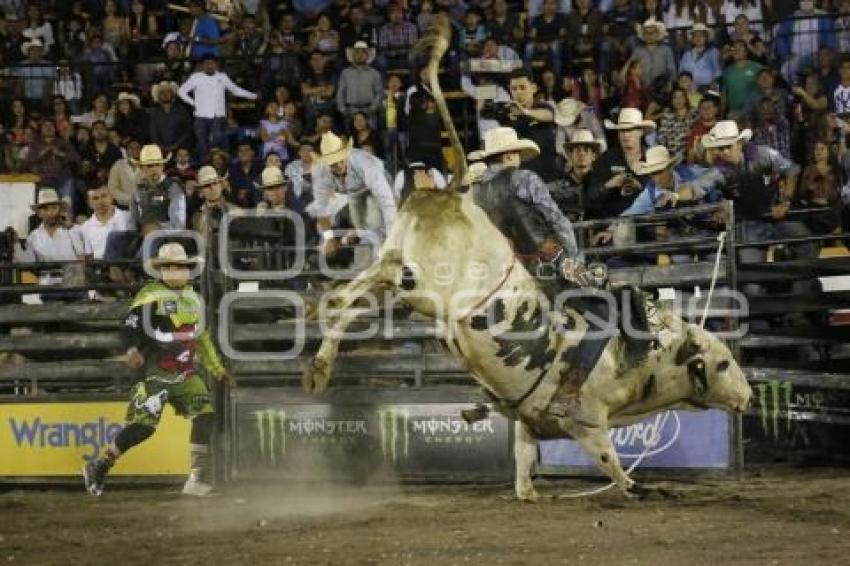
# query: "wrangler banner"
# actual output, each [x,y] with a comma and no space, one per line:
[54,439]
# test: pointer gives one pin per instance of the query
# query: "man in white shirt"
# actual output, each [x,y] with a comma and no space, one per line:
[358,175]
[209,88]
[106,218]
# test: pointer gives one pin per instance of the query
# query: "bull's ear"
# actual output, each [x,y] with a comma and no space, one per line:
[689,348]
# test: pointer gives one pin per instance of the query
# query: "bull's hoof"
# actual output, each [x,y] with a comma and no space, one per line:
[642,492]
[528,495]
[316,376]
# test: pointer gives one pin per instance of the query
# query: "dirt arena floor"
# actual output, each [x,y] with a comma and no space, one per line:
[780,516]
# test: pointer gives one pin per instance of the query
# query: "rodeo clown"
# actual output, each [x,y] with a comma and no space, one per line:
[162,333]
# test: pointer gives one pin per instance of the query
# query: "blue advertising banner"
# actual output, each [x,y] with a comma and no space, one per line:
[673,439]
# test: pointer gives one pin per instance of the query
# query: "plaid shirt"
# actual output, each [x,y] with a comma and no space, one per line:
[401,36]
[776,135]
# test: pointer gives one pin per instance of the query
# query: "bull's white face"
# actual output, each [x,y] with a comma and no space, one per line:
[716,378]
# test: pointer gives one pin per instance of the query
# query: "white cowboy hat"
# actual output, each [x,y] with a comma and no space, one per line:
[652,23]
[271,178]
[47,196]
[25,48]
[172,253]
[155,89]
[152,155]
[583,137]
[207,175]
[129,96]
[349,52]
[473,173]
[658,158]
[567,111]
[725,133]
[333,149]
[699,26]
[503,140]
[630,119]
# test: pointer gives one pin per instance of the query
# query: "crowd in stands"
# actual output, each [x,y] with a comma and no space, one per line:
[137,116]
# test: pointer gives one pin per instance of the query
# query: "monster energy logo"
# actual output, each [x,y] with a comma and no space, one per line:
[271,431]
[395,433]
[779,394]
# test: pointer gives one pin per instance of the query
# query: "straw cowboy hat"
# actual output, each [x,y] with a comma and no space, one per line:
[157,88]
[630,119]
[152,155]
[725,133]
[172,253]
[567,111]
[207,175]
[349,52]
[333,149]
[271,178]
[583,137]
[35,42]
[700,27]
[652,23]
[47,196]
[504,140]
[658,158]
[129,96]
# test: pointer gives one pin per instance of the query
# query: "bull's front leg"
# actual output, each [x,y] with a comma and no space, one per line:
[598,446]
[382,274]
[525,455]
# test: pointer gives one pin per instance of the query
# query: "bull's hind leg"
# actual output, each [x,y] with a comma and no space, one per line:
[525,454]
[598,446]
[383,273]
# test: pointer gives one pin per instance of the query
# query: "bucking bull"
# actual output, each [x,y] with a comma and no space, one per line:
[491,297]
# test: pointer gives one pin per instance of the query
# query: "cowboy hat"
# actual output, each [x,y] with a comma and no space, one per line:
[172,253]
[699,26]
[567,111]
[129,96]
[35,42]
[583,137]
[630,119]
[207,175]
[652,23]
[271,178]
[46,196]
[349,52]
[725,133]
[155,89]
[658,158]
[333,149]
[504,140]
[152,155]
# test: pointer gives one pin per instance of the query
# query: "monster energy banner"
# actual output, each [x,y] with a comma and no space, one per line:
[425,440]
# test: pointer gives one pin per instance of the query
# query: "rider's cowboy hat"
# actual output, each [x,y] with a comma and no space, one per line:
[35,42]
[504,140]
[207,175]
[172,253]
[725,133]
[652,23]
[583,137]
[658,158]
[134,100]
[349,52]
[567,111]
[271,178]
[333,149]
[47,196]
[163,85]
[630,119]
[152,155]
[700,27]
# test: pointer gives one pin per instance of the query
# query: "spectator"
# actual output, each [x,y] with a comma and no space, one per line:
[750,9]
[840,101]
[686,83]
[842,26]
[701,60]
[318,88]
[54,160]
[360,86]
[634,91]
[211,188]
[820,186]
[98,157]
[209,88]
[12,40]
[279,66]
[572,116]
[274,185]
[681,15]
[144,31]
[473,33]
[131,120]
[324,38]
[545,34]
[100,112]
[581,149]
[37,74]
[115,27]
[707,117]
[365,138]
[799,38]
[105,219]
[16,122]
[182,168]
[357,29]
[810,121]
[743,31]
[614,181]
[157,196]
[170,122]
[99,59]
[503,25]
[52,240]
[125,175]
[360,177]
[242,175]
[651,9]
[395,40]
[206,36]
[72,40]
[299,174]
[175,68]
[657,60]
[827,71]
[619,35]
[273,132]
[771,128]
[676,122]
[584,28]
[324,124]
[393,123]
[291,47]
[69,85]
[766,88]
[62,118]
[739,80]
[38,29]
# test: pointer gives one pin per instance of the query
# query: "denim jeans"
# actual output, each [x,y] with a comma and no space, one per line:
[759,231]
[210,133]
